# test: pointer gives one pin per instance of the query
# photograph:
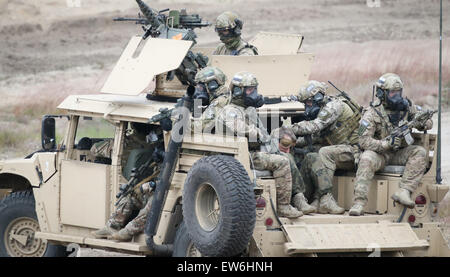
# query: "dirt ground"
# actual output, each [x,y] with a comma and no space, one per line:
[52,48]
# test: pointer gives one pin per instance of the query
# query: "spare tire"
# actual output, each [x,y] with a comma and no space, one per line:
[219,206]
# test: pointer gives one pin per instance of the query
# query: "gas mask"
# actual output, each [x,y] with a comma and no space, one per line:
[311,111]
[250,96]
[396,102]
[202,91]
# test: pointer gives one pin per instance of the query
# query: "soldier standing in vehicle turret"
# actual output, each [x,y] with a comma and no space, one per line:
[228,26]
[378,121]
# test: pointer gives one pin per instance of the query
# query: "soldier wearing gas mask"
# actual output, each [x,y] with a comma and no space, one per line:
[239,118]
[378,120]
[210,91]
[228,26]
[330,120]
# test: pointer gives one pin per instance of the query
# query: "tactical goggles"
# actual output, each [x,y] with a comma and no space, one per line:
[209,87]
[392,93]
[224,32]
[314,99]
[239,91]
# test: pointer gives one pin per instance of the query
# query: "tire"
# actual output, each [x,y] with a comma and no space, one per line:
[18,216]
[219,207]
[183,245]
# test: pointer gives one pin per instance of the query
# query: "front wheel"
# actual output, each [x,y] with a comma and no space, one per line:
[219,206]
[18,224]
[183,245]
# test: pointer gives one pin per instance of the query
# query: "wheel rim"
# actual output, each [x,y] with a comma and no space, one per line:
[207,207]
[192,251]
[20,241]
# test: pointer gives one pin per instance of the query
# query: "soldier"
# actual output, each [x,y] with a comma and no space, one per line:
[330,121]
[300,188]
[210,89]
[229,27]
[241,119]
[378,121]
[136,152]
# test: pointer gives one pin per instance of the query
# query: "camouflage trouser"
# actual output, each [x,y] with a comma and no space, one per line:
[413,157]
[126,208]
[335,157]
[279,165]
[315,176]
[298,185]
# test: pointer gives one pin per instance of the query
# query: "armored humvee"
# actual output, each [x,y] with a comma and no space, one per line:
[213,202]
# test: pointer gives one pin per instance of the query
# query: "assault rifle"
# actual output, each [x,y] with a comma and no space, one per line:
[145,173]
[404,129]
[176,25]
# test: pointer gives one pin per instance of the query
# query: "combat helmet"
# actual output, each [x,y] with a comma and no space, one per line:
[244,86]
[209,74]
[311,89]
[228,26]
[240,81]
[313,97]
[390,82]
[208,81]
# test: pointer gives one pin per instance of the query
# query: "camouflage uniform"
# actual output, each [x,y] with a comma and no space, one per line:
[336,125]
[241,49]
[232,43]
[237,120]
[136,201]
[378,152]
[136,151]
[217,99]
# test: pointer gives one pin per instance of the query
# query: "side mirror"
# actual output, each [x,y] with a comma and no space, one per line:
[48,136]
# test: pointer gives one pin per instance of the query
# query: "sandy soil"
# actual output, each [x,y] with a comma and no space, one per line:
[52,48]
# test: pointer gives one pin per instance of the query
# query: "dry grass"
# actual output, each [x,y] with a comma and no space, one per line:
[355,67]
[11,138]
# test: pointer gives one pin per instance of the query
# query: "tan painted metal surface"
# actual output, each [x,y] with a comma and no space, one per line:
[278,75]
[135,71]
[114,107]
[23,167]
[47,162]
[277,43]
[318,238]
[80,182]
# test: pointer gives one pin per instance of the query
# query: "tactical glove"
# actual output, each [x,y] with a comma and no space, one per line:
[396,142]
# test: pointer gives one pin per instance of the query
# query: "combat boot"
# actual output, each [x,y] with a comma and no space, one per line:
[122,235]
[288,211]
[315,204]
[327,205]
[104,232]
[403,196]
[299,201]
[357,209]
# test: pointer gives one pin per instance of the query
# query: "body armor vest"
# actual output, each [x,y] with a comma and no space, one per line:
[345,129]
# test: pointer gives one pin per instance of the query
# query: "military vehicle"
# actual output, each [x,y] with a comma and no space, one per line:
[209,200]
